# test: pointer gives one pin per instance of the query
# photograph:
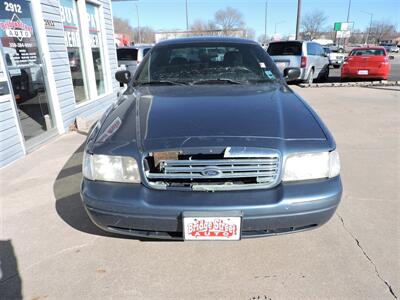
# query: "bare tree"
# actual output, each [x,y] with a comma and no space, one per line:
[250,33]
[226,21]
[357,37]
[147,35]
[229,19]
[312,23]
[123,26]
[199,27]
[381,30]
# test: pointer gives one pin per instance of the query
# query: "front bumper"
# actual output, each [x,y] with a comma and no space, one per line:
[134,209]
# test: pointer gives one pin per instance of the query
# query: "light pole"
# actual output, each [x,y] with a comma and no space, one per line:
[187,17]
[265,21]
[298,19]
[370,25]
[138,24]
[276,23]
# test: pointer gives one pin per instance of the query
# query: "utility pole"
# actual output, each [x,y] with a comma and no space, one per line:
[187,17]
[298,19]
[370,25]
[265,21]
[348,12]
[347,20]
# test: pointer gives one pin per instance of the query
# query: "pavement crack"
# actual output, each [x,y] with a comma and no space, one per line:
[367,257]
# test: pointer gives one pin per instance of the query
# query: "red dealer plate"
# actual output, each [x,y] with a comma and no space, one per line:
[212,228]
[362,72]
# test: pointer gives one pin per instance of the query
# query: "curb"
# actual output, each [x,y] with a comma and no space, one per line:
[351,84]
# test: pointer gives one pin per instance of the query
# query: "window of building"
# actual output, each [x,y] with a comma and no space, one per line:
[96,42]
[69,17]
[81,20]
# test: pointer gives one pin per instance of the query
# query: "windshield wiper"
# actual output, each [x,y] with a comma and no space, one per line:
[162,82]
[217,81]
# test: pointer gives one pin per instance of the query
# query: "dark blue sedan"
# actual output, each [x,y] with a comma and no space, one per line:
[209,143]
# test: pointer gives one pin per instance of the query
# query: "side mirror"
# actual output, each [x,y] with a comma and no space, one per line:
[291,73]
[391,57]
[123,76]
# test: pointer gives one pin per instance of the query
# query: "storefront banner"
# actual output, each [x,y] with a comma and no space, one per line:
[69,18]
[16,33]
[92,16]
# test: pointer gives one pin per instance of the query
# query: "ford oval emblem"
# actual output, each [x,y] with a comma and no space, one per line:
[211,172]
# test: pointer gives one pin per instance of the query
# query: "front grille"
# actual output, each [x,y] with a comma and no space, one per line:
[217,174]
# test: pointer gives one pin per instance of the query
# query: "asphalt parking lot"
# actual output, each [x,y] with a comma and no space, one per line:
[50,250]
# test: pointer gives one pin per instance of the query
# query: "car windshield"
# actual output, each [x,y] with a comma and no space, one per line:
[208,63]
[368,52]
[284,48]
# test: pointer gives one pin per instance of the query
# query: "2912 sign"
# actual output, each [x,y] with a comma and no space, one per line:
[12,7]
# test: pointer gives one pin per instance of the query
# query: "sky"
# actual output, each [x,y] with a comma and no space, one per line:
[170,14]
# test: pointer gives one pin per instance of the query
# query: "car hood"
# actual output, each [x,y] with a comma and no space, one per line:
[210,115]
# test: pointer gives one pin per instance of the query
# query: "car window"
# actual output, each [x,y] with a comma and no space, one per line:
[127,54]
[145,50]
[284,48]
[319,50]
[367,52]
[208,61]
[311,49]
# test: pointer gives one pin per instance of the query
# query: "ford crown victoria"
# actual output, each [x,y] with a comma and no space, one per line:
[209,142]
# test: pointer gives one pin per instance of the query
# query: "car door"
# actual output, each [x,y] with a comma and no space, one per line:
[313,58]
[323,59]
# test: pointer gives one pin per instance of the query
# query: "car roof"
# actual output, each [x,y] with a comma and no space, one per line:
[369,48]
[296,41]
[206,39]
[135,47]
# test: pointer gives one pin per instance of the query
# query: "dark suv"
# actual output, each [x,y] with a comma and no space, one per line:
[209,142]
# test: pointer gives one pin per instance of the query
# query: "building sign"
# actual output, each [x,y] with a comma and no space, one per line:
[69,18]
[343,34]
[16,33]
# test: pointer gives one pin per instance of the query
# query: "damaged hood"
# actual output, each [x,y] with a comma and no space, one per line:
[161,117]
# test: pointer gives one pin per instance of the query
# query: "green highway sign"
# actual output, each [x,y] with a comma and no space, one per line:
[342,26]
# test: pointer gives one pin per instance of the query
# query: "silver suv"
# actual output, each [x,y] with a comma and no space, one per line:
[129,57]
[308,56]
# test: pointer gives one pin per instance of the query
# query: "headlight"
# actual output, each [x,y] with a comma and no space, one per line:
[306,166]
[110,168]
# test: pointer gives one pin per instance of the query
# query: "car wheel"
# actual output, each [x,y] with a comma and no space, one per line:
[326,74]
[310,77]
[344,79]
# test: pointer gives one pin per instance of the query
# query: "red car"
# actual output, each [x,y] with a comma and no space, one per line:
[366,62]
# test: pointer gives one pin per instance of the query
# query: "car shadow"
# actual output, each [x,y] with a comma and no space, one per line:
[68,203]
[10,280]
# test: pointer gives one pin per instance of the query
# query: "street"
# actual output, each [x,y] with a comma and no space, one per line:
[51,250]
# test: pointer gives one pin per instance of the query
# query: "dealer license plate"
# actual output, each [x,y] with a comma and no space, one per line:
[281,65]
[362,72]
[212,228]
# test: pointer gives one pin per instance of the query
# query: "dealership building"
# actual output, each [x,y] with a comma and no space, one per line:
[57,62]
